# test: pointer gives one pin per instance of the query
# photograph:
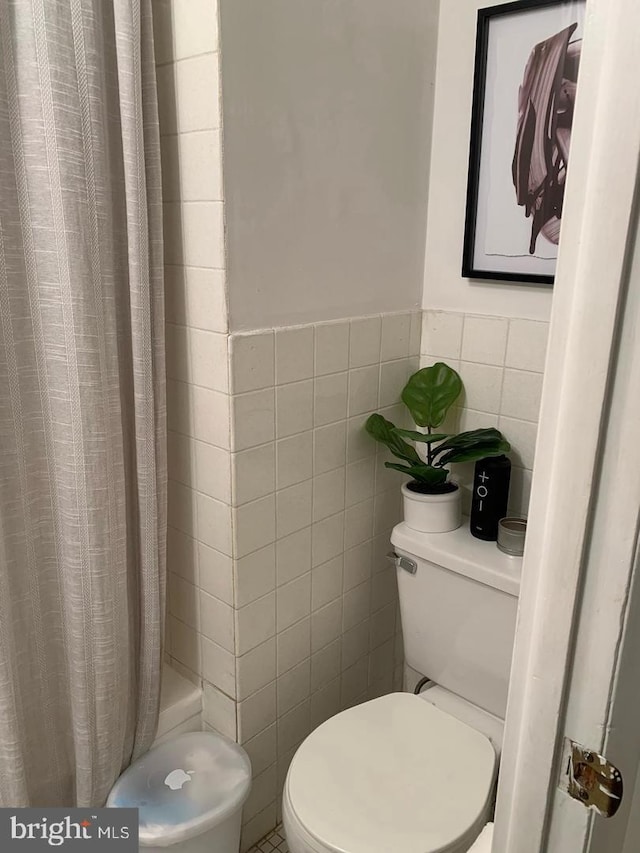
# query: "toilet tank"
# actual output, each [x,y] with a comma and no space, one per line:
[458,612]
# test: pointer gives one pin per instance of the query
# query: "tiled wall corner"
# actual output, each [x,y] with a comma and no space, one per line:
[501,362]
[200,638]
[315,599]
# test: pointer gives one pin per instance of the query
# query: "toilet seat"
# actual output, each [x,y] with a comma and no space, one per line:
[395,773]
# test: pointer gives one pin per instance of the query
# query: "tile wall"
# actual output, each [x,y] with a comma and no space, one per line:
[315,600]
[501,362]
[200,624]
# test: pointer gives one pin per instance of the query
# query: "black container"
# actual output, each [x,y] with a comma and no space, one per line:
[490,496]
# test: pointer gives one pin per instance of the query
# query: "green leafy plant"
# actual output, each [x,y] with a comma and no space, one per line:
[428,395]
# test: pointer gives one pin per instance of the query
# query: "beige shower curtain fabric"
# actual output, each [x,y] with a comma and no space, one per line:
[82,400]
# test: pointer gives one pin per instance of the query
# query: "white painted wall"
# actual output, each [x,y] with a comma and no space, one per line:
[444,287]
[327,127]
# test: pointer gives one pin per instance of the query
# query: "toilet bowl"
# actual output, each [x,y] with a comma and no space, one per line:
[393,774]
[416,774]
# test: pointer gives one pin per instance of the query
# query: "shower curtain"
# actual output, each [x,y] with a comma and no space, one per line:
[82,401]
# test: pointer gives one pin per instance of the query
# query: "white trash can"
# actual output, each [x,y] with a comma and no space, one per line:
[189,791]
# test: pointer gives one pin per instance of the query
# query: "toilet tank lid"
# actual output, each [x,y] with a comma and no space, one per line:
[462,553]
[184,787]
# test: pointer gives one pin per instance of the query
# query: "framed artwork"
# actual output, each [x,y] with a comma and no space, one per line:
[527,60]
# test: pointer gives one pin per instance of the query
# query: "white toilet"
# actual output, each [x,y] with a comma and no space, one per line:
[416,774]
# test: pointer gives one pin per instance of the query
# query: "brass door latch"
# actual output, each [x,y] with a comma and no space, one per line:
[589,778]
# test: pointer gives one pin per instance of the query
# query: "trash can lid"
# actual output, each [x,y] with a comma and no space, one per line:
[184,787]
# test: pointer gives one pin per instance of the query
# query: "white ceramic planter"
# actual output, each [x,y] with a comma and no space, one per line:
[432,513]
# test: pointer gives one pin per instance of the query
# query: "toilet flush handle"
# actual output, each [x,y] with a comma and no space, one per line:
[403,562]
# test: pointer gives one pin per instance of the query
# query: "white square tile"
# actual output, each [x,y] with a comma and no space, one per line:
[295,459]
[167,108]
[381,663]
[180,460]
[293,601]
[192,166]
[360,445]
[196,297]
[395,336]
[294,408]
[393,378]
[214,523]
[360,480]
[294,687]
[203,234]
[197,93]
[263,793]
[356,605]
[252,359]
[325,703]
[484,339]
[359,523]
[325,665]
[364,346]
[355,643]
[253,419]
[326,582]
[329,450]
[212,471]
[255,623]
[177,353]
[327,539]
[415,333]
[254,525]
[294,354]
[331,347]
[384,588]
[195,27]
[262,749]
[182,600]
[257,712]
[182,555]
[293,556]
[219,711]
[470,419]
[326,625]
[218,666]
[387,510]
[216,621]
[357,565]
[215,573]
[328,493]
[185,645]
[163,31]
[382,626]
[256,828]
[442,334]
[527,346]
[354,683]
[363,390]
[293,727]
[254,473]
[255,575]
[293,645]
[211,416]
[522,437]
[209,363]
[181,509]
[521,395]
[482,387]
[256,668]
[293,508]
[330,398]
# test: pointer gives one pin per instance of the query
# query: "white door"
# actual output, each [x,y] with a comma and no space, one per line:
[577,653]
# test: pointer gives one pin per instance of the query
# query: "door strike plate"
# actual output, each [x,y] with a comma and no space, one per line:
[589,778]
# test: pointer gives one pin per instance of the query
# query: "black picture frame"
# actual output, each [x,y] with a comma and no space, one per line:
[485,18]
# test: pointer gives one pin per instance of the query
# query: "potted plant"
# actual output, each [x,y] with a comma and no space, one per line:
[432,501]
